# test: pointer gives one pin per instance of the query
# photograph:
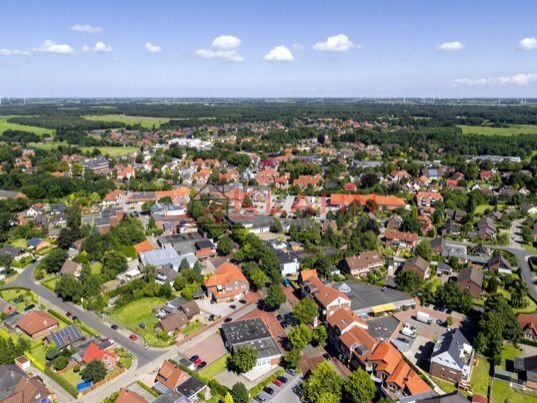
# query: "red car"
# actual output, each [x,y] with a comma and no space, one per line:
[277,382]
[133,337]
[198,362]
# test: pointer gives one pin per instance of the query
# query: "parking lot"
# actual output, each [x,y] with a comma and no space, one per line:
[209,349]
[282,394]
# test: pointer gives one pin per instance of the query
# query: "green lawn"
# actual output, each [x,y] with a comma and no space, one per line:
[141,311]
[112,151]
[23,297]
[51,282]
[502,131]
[446,386]
[72,377]
[480,377]
[19,242]
[214,368]
[503,392]
[480,210]
[5,125]
[49,145]
[95,268]
[146,122]
[509,353]
[192,327]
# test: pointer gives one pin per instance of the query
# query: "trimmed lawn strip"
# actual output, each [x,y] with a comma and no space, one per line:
[214,368]
[480,376]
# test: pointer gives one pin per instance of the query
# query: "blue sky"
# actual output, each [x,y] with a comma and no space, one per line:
[268,48]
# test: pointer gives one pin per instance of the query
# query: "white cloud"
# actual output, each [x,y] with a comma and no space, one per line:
[14,52]
[279,54]
[454,46]
[223,47]
[100,47]
[152,48]
[520,79]
[56,48]
[298,46]
[228,55]
[226,42]
[86,28]
[337,43]
[527,44]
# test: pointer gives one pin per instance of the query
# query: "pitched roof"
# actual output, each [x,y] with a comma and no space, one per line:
[471,274]
[93,352]
[391,234]
[174,322]
[387,355]
[527,321]
[225,274]
[70,268]
[128,396]
[144,246]
[36,321]
[170,375]
[363,260]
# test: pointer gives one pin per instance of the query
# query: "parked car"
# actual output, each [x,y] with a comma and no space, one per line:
[202,364]
[211,317]
[283,379]
[260,398]
[291,371]
[114,326]
[74,318]
[242,301]
[198,362]
[68,314]
[279,317]
[228,319]
[31,306]
[232,306]
[194,358]
[441,322]
[269,390]
[277,382]
[133,337]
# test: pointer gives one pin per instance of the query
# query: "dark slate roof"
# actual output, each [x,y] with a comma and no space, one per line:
[451,342]
[365,295]
[454,397]
[474,275]
[191,387]
[10,251]
[245,330]
[10,376]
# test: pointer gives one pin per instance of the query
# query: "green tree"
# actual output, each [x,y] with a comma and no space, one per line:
[243,359]
[275,297]
[54,260]
[409,281]
[292,358]
[299,336]
[320,334]
[225,245]
[228,398]
[114,262]
[425,250]
[306,310]
[258,277]
[94,371]
[359,387]
[322,384]
[240,393]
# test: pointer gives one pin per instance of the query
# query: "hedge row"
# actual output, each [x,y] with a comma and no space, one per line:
[53,375]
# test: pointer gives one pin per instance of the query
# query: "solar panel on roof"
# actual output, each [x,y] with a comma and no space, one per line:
[66,336]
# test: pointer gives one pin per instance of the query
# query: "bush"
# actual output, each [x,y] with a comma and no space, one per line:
[61,362]
[76,369]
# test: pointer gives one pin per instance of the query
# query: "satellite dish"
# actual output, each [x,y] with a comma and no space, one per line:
[344,288]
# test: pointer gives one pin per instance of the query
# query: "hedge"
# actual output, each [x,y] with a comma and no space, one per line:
[147,388]
[81,325]
[54,376]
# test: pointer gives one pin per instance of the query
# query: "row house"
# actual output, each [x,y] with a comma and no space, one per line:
[328,298]
[363,263]
[400,239]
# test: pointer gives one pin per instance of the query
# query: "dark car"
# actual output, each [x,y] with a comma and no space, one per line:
[242,301]
[283,379]
[233,306]
[74,318]
[211,317]
[269,390]
[441,322]
[194,358]
[290,371]
[31,306]
[228,319]
[202,364]
[68,314]
[279,317]
[115,327]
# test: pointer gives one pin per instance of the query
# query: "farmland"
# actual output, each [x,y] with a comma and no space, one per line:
[501,131]
[146,122]
[5,125]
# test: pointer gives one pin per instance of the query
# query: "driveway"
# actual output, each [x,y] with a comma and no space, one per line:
[209,349]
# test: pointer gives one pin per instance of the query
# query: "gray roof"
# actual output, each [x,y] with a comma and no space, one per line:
[451,342]
[382,328]
[171,397]
[191,387]
[10,251]
[10,376]
[454,397]
[364,296]
[474,275]
[250,332]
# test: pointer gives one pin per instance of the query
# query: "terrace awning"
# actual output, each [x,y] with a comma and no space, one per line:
[383,308]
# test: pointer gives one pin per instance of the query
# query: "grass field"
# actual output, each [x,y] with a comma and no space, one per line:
[503,392]
[146,122]
[509,353]
[480,377]
[502,131]
[141,311]
[214,368]
[112,151]
[23,297]
[192,327]
[5,125]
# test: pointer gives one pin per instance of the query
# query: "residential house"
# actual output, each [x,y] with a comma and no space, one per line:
[228,283]
[499,264]
[428,199]
[37,244]
[37,324]
[6,308]
[303,181]
[128,396]
[170,376]
[287,258]
[526,368]
[528,323]
[172,323]
[65,337]
[452,357]
[405,240]
[255,333]
[471,279]
[363,263]
[328,298]
[417,264]
[94,352]
[397,378]
[18,387]
[71,268]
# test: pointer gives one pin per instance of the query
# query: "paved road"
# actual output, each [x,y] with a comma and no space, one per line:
[26,279]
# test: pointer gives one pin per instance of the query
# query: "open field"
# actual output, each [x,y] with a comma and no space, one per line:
[480,377]
[503,392]
[146,122]
[501,131]
[141,312]
[112,151]
[5,125]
